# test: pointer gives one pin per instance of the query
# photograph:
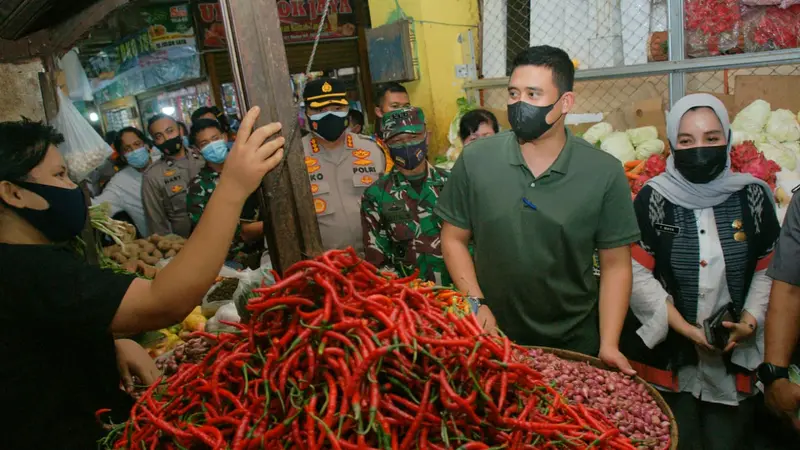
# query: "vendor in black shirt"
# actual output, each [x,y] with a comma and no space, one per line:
[58,315]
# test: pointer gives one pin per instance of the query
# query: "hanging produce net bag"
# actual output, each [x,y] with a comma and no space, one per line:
[83,149]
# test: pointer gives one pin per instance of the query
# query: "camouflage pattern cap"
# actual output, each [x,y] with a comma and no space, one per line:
[406,120]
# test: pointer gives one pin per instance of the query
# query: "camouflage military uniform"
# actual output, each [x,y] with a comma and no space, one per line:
[400,229]
[200,190]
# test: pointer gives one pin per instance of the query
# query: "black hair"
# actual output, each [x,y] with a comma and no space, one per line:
[184,128]
[356,117]
[158,117]
[203,124]
[552,58]
[471,121]
[386,88]
[221,117]
[139,133]
[111,137]
[23,146]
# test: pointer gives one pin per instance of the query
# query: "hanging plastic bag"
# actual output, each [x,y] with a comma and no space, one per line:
[83,149]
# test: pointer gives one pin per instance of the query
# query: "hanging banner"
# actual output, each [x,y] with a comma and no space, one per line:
[300,19]
[210,28]
[170,26]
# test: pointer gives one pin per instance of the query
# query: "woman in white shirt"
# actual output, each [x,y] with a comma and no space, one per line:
[707,238]
[124,191]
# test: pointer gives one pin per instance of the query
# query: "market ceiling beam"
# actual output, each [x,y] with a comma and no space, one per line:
[60,38]
[261,73]
[66,34]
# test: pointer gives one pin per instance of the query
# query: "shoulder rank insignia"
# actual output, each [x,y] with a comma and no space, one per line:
[314,146]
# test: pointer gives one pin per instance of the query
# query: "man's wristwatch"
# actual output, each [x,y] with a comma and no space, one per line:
[769,373]
[474,303]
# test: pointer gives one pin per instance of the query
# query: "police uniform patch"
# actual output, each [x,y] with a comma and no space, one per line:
[169,172]
[320,205]
[175,189]
[314,188]
[311,161]
[327,87]
[366,179]
[361,153]
[362,162]
[314,146]
[314,168]
[350,141]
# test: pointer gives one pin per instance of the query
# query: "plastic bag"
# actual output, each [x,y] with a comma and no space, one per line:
[713,27]
[770,28]
[248,280]
[83,149]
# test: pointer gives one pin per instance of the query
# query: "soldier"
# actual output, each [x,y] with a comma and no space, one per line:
[399,228]
[340,164]
[166,181]
[248,243]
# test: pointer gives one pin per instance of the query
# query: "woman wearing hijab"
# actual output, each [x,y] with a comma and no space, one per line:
[707,238]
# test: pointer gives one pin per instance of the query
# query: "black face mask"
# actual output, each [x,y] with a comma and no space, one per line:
[329,125]
[701,165]
[63,219]
[529,122]
[172,147]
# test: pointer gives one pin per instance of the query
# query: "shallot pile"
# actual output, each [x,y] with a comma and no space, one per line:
[625,402]
[338,355]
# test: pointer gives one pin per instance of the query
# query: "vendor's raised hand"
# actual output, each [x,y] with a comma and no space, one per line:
[612,357]
[251,156]
[133,360]
[783,397]
[740,331]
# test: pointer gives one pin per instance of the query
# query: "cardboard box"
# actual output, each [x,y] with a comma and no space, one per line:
[779,90]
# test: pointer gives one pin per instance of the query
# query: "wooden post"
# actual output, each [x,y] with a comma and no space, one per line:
[258,59]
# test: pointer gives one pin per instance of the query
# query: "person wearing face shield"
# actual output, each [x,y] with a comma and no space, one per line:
[700,284]
[248,242]
[538,201]
[43,281]
[401,232]
[166,181]
[124,191]
[340,164]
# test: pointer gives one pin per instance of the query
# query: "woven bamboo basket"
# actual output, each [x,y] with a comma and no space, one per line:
[662,404]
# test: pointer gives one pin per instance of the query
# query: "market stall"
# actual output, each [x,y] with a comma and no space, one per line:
[340,355]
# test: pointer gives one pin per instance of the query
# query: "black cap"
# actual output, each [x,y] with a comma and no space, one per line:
[325,91]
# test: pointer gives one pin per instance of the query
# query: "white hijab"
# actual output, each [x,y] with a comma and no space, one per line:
[679,191]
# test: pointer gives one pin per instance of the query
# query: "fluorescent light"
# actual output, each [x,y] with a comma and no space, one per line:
[168,110]
[93,117]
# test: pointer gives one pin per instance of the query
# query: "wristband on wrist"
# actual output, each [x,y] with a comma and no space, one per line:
[474,303]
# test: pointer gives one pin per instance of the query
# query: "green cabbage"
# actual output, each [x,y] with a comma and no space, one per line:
[618,145]
[740,137]
[597,132]
[649,148]
[643,134]
[753,117]
[777,152]
[783,126]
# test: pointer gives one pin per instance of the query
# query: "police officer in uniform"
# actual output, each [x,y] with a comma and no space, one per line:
[166,181]
[340,164]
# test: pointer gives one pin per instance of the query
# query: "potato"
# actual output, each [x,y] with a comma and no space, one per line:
[120,258]
[149,259]
[130,266]
[150,272]
[177,247]
[154,239]
[148,248]
[171,253]
[141,242]
[164,245]
[110,250]
[157,254]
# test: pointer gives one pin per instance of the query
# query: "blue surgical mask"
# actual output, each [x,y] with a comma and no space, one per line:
[139,158]
[215,152]
[186,143]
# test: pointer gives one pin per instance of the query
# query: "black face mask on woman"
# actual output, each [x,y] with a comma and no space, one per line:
[529,122]
[701,165]
[63,219]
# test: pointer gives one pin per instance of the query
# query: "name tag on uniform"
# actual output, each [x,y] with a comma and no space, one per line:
[669,229]
[396,211]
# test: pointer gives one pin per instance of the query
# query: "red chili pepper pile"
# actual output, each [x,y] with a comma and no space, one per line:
[339,356]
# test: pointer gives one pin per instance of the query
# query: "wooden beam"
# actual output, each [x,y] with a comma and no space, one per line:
[66,34]
[262,76]
[29,47]
[49,87]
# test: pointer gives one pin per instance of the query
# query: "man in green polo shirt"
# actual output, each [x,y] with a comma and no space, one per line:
[537,202]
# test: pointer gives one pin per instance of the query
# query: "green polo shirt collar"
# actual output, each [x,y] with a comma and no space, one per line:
[560,165]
